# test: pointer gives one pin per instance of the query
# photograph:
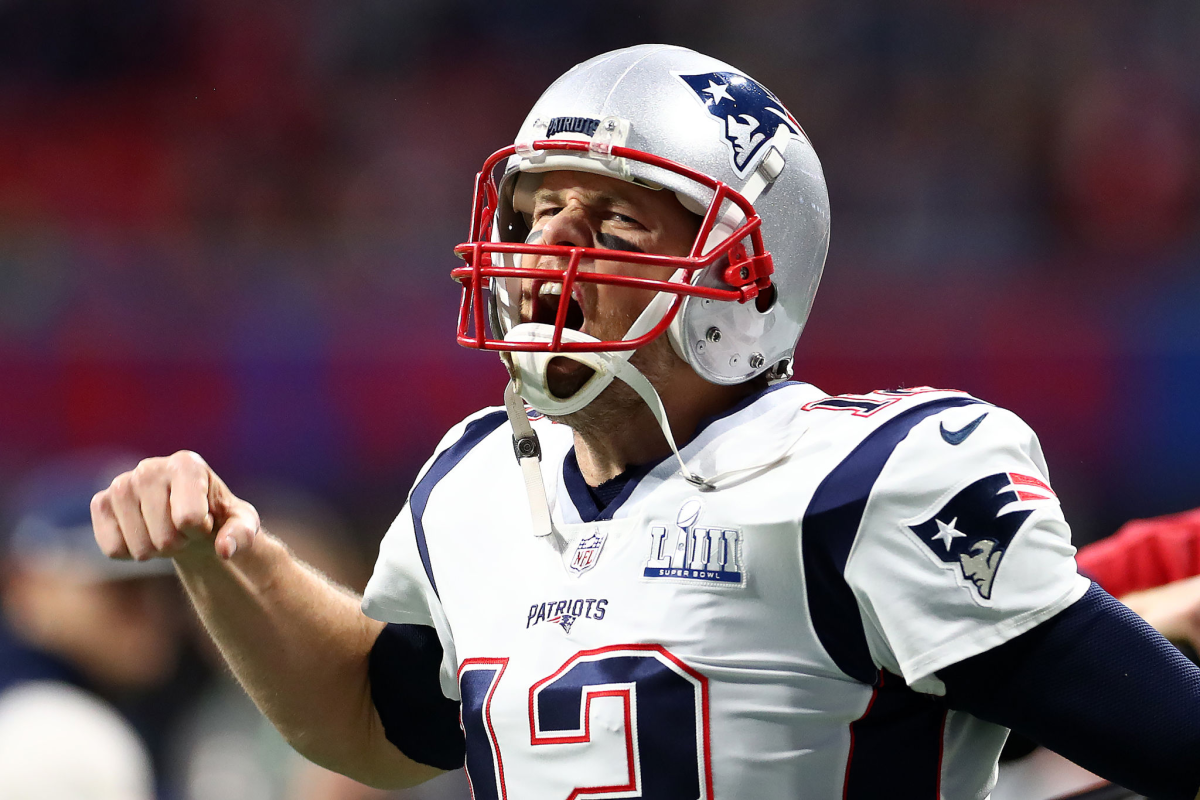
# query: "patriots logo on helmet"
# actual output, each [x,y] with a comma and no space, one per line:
[972,532]
[751,114]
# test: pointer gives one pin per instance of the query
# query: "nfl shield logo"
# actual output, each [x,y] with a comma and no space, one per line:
[587,552]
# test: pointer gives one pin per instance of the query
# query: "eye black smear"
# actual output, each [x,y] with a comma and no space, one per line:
[611,242]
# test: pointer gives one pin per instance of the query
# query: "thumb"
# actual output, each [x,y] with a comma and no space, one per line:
[238,521]
[238,533]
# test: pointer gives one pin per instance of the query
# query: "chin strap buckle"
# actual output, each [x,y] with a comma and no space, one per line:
[528,451]
[527,446]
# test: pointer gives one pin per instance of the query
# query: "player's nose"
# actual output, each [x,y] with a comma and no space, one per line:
[570,227]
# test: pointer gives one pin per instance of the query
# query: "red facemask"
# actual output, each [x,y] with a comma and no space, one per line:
[746,276]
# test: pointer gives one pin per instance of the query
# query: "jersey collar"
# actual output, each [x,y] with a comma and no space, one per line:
[585,507]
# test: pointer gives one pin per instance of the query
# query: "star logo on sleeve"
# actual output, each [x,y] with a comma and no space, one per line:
[971,533]
[947,533]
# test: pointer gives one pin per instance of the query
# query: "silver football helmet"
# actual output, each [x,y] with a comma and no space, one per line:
[671,119]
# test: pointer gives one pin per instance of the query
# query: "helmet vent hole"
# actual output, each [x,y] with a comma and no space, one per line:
[765,300]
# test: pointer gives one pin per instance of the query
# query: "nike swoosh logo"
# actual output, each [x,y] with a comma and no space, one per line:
[960,435]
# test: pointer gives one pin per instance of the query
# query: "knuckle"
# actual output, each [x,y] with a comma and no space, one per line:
[149,470]
[122,486]
[190,517]
[169,539]
[186,462]
[142,551]
[141,478]
[111,547]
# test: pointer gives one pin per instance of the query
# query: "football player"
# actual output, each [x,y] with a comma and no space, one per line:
[662,569]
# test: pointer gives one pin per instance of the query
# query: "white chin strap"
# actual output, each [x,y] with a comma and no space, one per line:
[531,384]
[529,453]
[532,367]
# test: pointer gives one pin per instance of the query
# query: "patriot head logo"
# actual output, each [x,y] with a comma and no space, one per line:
[972,532]
[565,620]
[566,613]
[751,115]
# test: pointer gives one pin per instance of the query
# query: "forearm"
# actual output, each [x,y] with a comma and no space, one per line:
[299,645]
[1099,686]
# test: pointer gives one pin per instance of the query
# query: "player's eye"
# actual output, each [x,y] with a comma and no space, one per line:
[624,219]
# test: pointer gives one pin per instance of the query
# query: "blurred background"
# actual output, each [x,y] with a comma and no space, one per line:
[228,228]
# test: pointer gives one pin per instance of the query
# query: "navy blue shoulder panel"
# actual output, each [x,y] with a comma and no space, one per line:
[828,532]
[896,745]
[448,459]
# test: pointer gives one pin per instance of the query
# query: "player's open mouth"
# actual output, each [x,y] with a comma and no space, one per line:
[564,376]
[546,298]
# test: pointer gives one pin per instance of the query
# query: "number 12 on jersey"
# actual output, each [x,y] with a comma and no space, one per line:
[664,713]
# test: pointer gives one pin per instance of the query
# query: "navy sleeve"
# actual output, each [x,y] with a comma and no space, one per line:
[1097,685]
[417,717]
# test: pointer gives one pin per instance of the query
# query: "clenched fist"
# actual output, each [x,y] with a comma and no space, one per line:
[166,505]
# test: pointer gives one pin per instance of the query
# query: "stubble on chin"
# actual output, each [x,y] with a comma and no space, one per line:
[619,403]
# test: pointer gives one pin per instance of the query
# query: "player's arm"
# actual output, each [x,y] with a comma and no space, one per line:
[1098,685]
[992,605]
[299,644]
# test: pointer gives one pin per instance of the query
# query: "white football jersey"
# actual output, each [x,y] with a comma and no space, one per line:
[778,637]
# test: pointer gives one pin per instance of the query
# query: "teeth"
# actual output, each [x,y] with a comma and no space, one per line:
[550,289]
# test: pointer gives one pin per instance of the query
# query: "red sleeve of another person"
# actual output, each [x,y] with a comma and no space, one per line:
[1145,553]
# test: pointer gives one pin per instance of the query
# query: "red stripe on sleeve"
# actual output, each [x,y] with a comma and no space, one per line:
[1028,480]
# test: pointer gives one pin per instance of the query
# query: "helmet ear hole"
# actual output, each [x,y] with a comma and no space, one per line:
[766,299]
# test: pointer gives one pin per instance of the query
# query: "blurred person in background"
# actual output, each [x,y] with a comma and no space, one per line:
[87,645]
[58,742]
